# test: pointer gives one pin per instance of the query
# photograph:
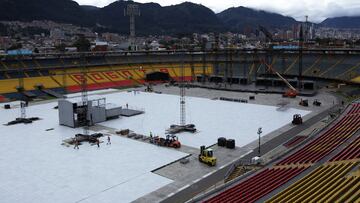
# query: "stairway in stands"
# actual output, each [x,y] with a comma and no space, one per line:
[239,171]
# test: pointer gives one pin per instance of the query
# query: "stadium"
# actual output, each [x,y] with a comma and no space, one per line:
[235,96]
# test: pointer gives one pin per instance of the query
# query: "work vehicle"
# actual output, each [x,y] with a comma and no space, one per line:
[207,156]
[297,120]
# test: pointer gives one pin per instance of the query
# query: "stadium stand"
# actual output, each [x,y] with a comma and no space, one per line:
[44,72]
[325,66]
[328,141]
[2,76]
[257,186]
[9,85]
[103,77]
[13,74]
[332,181]
[295,141]
[128,72]
[350,152]
[32,73]
[328,183]
[2,98]
[323,181]
[33,82]
[356,79]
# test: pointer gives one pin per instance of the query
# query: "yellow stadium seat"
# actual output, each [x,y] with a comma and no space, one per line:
[357,79]
[321,185]
[7,86]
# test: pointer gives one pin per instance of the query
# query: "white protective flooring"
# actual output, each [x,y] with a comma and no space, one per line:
[213,118]
[35,167]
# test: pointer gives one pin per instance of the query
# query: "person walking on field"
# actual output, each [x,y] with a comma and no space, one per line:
[98,142]
[76,144]
[109,141]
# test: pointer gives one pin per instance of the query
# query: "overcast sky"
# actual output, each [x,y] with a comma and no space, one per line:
[317,10]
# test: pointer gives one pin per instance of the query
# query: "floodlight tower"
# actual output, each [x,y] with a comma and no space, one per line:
[132,11]
[306,35]
[259,133]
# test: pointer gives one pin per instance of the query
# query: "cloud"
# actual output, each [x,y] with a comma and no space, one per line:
[98,3]
[317,10]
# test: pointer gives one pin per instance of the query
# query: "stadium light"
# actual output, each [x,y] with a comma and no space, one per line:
[259,133]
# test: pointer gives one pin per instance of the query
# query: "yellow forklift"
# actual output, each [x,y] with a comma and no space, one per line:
[207,156]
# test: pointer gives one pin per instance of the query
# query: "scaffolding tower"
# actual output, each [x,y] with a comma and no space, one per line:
[84,95]
[301,45]
[23,109]
[182,94]
[182,127]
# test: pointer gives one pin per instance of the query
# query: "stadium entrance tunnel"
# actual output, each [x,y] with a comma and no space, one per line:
[157,76]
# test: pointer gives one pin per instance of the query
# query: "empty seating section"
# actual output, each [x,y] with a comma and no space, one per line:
[328,141]
[11,64]
[33,73]
[315,67]
[2,98]
[2,76]
[29,63]
[3,66]
[49,63]
[347,69]
[120,76]
[350,152]
[15,74]
[71,62]
[8,85]
[102,77]
[333,181]
[328,183]
[257,186]
[44,72]
[329,66]
[326,66]
[295,141]
[355,109]
[356,79]
[33,82]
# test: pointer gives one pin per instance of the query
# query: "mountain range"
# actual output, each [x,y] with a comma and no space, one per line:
[342,22]
[182,18]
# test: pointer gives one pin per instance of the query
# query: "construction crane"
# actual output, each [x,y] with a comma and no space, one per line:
[268,35]
[269,40]
[292,92]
